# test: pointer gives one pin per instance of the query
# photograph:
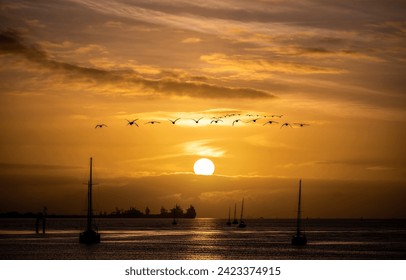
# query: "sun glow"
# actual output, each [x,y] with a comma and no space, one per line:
[204,166]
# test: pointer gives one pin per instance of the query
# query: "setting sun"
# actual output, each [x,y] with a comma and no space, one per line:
[204,166]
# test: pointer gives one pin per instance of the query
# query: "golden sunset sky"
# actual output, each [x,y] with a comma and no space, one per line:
[338,66]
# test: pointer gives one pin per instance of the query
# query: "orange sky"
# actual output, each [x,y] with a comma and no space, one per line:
[335,65]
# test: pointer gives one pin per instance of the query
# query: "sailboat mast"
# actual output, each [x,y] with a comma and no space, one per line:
[242,208]
[299,208]
[229,214]
[235,211]
[89,200]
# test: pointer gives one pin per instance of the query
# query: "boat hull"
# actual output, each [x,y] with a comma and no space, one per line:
[89,237]
[299,240]
[242,225]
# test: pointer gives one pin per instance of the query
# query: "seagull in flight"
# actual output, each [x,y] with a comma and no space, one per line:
[270,122]
[286,124]
[236,121]
[216,121]
[152,122]
[173,122]
[132,122]
[254,120]
[197,121]
[100,125]
[301,124]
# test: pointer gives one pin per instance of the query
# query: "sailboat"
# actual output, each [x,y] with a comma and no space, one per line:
[89,236]
[229,218]
[235,221]
[299,239]
[242,223]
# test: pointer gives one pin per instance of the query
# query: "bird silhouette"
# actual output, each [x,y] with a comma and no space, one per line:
[173,122]
[132,122]
[301,124]
[152,122]
[100,125]
[236,121]
[270,122]
[276,116]
[286,124]
[254,120]
[197,121]
[216,121]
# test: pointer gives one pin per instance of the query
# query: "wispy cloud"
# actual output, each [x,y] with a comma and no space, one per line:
[35,167]
[319,52]
[219,196]
[114,24]
[191,40]
[264,23]
[35,23]
[367,163]
[91,49]
[203,148]
[12,43]
[262,140]
[250,66]
[379,168]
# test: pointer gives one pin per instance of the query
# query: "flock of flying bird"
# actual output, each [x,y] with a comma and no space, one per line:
[216,120]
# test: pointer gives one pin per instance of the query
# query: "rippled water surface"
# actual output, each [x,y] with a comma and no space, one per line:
[204,239]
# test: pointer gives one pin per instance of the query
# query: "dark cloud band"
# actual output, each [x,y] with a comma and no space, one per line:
[12,43]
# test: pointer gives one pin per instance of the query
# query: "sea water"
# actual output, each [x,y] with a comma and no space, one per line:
[201,239]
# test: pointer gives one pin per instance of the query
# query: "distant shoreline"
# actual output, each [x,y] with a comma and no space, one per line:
[158,216]
[151,216]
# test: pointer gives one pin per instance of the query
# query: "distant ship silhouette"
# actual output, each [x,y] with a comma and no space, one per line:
[299,239]
[90,235]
